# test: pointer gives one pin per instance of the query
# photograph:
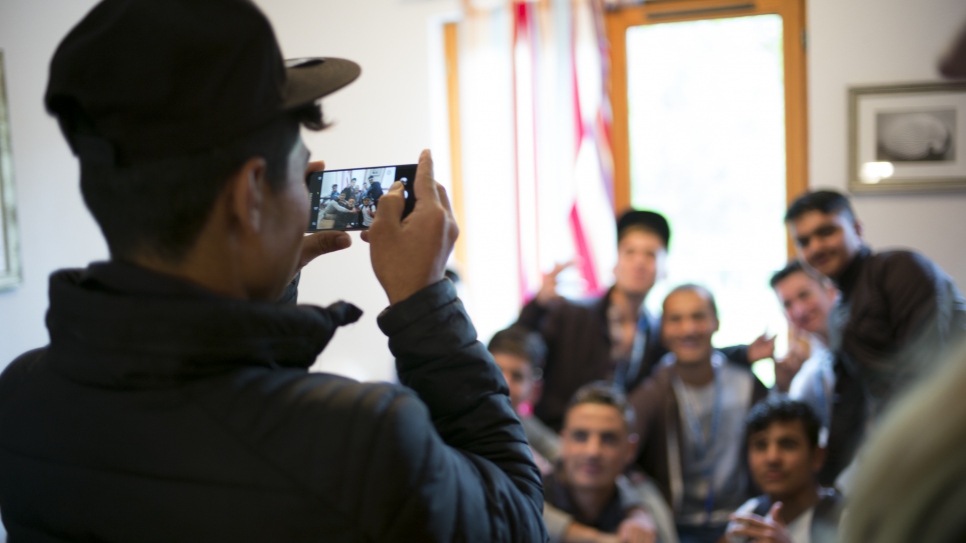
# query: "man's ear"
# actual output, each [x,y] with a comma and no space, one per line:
[858,227]
[246,194]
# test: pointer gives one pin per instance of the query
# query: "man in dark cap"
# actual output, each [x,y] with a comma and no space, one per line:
[174,402]
[613,338]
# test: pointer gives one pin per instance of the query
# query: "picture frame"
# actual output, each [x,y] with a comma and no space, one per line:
[10,267]
[907,137]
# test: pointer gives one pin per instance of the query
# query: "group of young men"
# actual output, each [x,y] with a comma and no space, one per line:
[722,452]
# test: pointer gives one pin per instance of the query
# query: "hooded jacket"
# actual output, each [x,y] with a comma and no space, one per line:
[162,412]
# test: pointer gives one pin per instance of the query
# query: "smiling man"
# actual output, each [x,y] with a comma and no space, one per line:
[806,372]
[588,499]
[896,313]
[784,457]
[691,414]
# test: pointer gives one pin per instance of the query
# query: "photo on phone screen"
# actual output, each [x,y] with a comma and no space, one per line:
[347,199]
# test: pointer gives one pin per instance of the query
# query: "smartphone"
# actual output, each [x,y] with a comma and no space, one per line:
[347,199]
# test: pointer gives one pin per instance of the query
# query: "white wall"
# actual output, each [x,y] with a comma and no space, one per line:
[382,118]
[870,42]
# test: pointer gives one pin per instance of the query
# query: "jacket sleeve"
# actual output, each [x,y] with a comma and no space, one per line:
[470,475]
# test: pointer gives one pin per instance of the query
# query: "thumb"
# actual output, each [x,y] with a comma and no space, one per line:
[320,243]
[775,511]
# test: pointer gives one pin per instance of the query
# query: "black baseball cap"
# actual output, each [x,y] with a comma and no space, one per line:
[153,79]
[647,219]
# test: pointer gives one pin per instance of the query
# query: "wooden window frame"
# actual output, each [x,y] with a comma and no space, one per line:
[792,12]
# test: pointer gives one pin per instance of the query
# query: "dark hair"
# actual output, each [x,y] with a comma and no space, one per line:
[519,341]
[159,207]
[782,409]
[824,201]
[604,393]
[691,287]
[794,266]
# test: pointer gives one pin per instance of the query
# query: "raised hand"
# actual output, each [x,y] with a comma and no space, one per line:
[548,289]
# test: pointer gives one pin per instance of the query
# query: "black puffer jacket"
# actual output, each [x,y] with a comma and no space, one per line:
[160,412]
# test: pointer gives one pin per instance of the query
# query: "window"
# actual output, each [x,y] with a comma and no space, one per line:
[709,130]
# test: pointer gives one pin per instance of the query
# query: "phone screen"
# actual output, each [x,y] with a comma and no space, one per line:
[347,199]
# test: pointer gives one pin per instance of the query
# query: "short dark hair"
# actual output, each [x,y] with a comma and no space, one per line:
[793,267]
[693,287]
[824,201]
[782,409]
[159,207]
[604,393]
[519,341]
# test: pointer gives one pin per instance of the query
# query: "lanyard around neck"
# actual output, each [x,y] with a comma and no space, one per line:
[702,447]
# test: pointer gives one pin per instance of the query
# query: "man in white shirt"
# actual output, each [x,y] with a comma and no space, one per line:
[806,373]
[784,457]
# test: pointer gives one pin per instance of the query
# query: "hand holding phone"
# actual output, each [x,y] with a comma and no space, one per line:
[409,251]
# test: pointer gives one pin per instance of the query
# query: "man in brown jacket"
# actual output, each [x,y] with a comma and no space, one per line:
[691,414]
[896,313]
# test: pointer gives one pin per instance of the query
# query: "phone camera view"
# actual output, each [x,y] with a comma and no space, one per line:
[347,199]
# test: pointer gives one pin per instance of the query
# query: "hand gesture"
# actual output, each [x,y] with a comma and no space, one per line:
[548,289]
[788,367]
[638,527]
[760,530]
[410,254]
[320,243]
[763,347]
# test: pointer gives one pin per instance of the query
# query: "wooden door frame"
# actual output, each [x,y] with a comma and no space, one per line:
[794,41]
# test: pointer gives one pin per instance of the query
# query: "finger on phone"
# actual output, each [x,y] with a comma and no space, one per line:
[424,186]
[444,199]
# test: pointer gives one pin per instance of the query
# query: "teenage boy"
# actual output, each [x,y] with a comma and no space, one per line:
[691,414]
[613,338]
[784,457]
[520,353]
[587,497]
[807,300]
[896,313]
[174,401]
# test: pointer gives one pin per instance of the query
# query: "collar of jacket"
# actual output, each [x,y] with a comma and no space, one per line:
[847,280]
[119,325]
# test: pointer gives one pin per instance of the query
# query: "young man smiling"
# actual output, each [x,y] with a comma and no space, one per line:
[896,313]
[784,457]
[691,414]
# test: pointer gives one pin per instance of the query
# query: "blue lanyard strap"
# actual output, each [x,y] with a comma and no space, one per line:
[702,447]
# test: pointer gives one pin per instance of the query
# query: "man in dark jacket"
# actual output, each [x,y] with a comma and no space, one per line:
[173,402]
[613,338]
[896,313]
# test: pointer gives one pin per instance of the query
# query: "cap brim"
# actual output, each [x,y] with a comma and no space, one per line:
[308,79]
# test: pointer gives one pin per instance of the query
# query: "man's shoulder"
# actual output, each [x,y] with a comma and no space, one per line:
[902,261]
[16,371]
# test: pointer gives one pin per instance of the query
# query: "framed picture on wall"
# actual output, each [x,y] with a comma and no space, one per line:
[9,245]
[908,137]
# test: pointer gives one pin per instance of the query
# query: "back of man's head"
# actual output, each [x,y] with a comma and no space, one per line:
[823,201]
[161,107]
